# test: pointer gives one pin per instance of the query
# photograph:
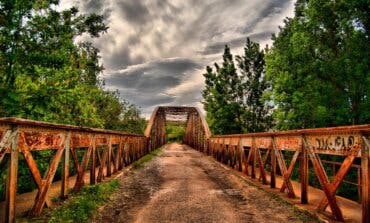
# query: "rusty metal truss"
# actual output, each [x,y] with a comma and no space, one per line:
[196,134]
[104,153]
[243,152]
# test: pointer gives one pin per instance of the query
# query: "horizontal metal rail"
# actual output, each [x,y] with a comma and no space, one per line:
[104,153]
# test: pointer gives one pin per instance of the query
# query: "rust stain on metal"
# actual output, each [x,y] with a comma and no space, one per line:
[234,141]
[43,140]
[246,141]
[288,142]
[263,142]
[80,139]
[101,140]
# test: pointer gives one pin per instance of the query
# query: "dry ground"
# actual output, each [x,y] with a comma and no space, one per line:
[183,185]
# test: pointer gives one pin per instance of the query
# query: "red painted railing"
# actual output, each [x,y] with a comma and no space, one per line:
[243,152]
[104,153]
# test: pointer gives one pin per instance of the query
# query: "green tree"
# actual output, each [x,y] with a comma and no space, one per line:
[118,114]
[44,74]
[256,116]
[319,65]
[234,100]
[221,97]
[132,120]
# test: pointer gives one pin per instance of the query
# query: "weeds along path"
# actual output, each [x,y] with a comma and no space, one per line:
[183,185]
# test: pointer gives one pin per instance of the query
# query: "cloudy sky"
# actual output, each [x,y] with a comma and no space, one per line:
[155,51]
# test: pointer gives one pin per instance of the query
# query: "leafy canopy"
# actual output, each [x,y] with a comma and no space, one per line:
[319,65]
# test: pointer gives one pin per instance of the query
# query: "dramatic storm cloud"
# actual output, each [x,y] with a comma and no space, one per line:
[155,51]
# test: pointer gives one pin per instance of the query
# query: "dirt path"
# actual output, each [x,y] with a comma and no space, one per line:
[183,185]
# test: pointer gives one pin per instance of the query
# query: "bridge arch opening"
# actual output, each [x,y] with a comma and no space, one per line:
[175,128]
[194,127]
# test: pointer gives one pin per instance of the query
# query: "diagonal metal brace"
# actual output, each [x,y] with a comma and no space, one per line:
[6,141]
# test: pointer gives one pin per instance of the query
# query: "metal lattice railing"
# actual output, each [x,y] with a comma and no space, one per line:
[104,153]
[243,152]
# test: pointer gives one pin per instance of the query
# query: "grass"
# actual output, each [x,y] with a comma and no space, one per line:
[81,206]
[141,162]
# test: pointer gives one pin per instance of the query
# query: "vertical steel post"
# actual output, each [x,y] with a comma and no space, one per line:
[254,153]
[304,173]
[109,158]
[93,162]
[11,186]
[365,177]
[273,164]
[65,168]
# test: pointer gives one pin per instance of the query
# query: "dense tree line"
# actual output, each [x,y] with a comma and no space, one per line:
[45,74]
[315,74]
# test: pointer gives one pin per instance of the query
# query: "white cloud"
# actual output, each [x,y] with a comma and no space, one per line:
[143,34]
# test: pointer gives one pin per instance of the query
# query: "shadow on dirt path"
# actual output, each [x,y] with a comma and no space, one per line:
[183,185]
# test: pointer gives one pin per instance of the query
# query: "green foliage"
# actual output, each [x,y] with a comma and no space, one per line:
[221,100]
[175,132]
[118,114]
[81,206]
[234,102]
[319,66]
[256,111]
[45,75]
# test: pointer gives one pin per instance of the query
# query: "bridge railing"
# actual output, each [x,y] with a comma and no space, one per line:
[156,129]
[197,131]
[94,152]
[244,152]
